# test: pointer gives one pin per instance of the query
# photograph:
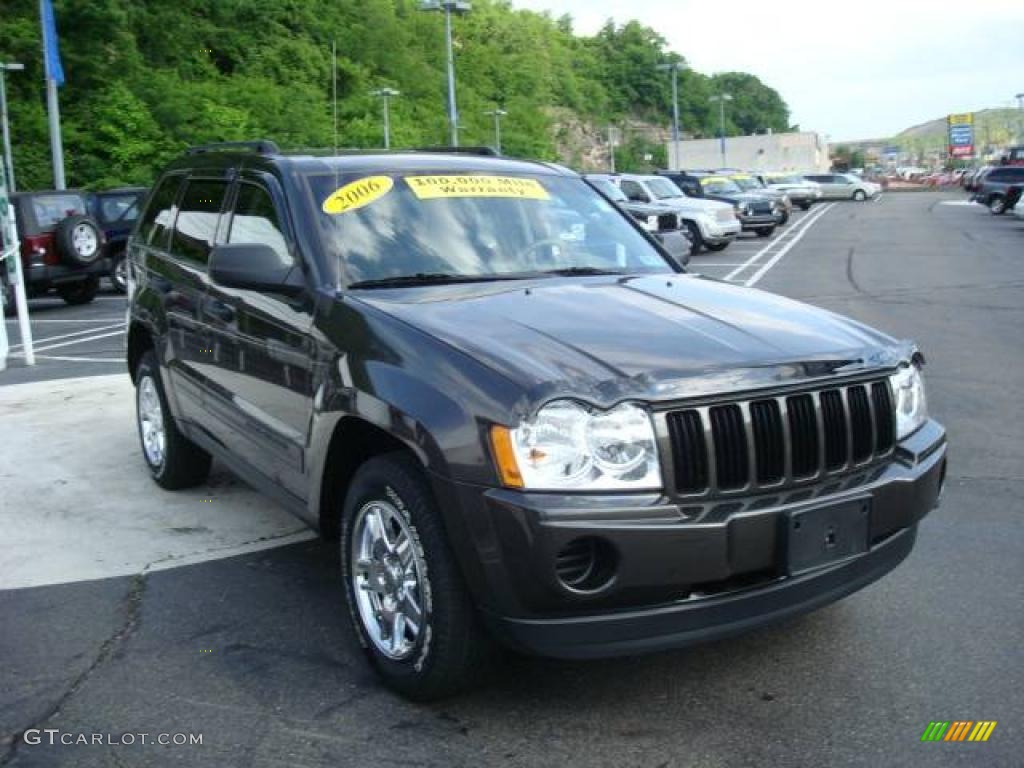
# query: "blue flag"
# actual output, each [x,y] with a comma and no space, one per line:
[54,69]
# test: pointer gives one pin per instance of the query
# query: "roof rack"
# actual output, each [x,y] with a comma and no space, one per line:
[260,147]
[481,150]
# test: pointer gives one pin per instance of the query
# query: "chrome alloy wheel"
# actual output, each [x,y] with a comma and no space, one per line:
[84,239]
[120,274]
[151,422]
[388,579]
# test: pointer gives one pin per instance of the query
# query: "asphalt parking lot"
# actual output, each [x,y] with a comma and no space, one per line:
[254,652]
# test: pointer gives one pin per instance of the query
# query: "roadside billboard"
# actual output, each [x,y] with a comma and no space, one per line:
[961,134]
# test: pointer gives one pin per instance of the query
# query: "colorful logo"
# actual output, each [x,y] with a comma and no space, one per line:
[959,730]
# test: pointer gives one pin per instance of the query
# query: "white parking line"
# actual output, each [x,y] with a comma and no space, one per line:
[73,342]
[775,259]
[39,342]
[793,234]
[35,320]
[70,359]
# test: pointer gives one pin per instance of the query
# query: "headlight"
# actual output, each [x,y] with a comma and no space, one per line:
[650,223]
[911,403]
[569,446]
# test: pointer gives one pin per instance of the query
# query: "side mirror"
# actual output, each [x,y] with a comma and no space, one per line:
[254,267]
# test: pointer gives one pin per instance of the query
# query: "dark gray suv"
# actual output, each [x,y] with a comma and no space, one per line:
[520,419]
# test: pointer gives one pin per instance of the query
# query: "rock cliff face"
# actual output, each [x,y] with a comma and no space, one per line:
[583,145]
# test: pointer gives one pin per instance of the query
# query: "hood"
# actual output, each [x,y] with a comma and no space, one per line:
[653,338]
[693,204]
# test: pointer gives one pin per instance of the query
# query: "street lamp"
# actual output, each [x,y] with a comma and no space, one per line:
[674,68]
[497,114]
[449,7]
[10,66]
[1020,108]
[386,94]
[721,99]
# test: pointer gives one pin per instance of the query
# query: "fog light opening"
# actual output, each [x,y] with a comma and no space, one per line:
[586,564]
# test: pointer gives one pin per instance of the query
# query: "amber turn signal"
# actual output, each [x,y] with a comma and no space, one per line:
[505,457]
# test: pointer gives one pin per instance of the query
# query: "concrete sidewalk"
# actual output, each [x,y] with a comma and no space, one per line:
[77,502]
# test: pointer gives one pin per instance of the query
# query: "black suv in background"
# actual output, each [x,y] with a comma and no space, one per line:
[521,420]
[757,213]
[992,191]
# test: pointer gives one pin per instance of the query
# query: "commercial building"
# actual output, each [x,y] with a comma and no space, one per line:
[804,151]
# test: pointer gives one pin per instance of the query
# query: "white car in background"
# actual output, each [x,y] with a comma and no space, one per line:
[844,186]
[712,224]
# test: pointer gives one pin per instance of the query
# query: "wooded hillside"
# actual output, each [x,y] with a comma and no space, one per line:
[146,79]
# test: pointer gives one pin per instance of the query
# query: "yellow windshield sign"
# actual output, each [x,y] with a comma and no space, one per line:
[358,193]
[739,176]
[434,187]
[712,180]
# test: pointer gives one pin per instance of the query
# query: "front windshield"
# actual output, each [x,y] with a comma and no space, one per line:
[719,186]
[379,228]
[748,183]
[663,189]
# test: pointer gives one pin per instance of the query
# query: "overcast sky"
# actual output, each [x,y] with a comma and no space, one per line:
[853,70]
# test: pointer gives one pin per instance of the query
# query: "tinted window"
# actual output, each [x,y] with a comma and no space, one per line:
[632,190]
[196,225]
[256,221]
[48,210]
[160,212]
[118,209]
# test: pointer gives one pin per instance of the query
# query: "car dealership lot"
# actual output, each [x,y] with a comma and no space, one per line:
[254,653]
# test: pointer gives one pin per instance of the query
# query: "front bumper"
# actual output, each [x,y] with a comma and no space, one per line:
[758,221]
[683,574]
[719,231]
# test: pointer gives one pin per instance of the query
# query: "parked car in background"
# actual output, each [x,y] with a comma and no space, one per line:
[993,188]
[757,213]
[62,245]
[844,186]
[1014,156]
[974,180]
[666,227]
[803,192]
[712,223]
[749,182]
[117,210]
[513,431]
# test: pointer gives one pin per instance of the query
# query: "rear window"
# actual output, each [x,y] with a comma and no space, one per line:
[473,225]
[49,210]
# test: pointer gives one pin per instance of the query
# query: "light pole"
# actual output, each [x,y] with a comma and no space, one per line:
[449,7]
[674,68]
[10,66]
[721,99]
[498,113]
[386,94]
[1020,109]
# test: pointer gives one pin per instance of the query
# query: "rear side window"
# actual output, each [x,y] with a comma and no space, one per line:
[256,221]
[118,209]
[196,225]
[160,212]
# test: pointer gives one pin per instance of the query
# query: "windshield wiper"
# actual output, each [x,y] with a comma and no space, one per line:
[570,271]
[428,278]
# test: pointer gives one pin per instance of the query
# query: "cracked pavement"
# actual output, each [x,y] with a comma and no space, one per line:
[254,651]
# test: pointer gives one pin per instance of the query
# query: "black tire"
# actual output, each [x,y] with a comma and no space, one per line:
[80,291]
[118,274]
[804,206]
[452,652]
[997,205]
[90,245]
[765,231]
[695,236]
[717,246]
[860,196]
[785,219]
[184,464]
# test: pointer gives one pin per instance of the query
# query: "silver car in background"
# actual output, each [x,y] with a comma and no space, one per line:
[803,192]
[844,186]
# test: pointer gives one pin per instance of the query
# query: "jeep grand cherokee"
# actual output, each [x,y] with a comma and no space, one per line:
[521,425]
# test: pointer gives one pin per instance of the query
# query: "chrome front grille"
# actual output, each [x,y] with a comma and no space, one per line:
[772,442]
